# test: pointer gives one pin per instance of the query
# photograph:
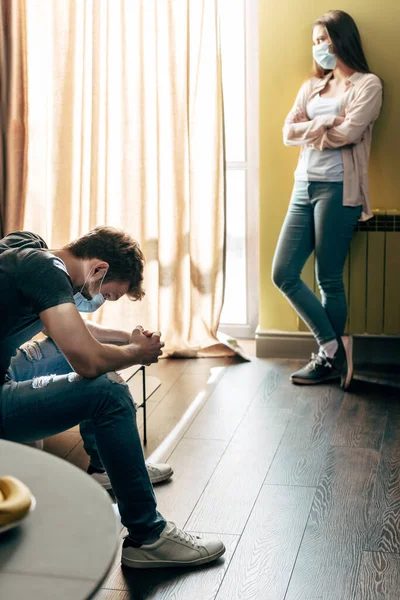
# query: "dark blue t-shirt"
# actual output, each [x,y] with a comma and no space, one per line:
[31,280]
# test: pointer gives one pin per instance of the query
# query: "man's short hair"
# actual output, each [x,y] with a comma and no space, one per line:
[119,250]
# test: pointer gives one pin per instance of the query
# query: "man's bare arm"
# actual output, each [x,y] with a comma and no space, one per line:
[86,355]
[106,335]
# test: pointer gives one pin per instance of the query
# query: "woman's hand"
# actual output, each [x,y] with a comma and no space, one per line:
[299,116]
[338,121]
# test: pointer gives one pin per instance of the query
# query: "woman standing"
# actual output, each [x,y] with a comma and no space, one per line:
[332,121]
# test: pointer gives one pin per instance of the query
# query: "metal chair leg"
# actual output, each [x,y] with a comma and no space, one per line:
[144,406]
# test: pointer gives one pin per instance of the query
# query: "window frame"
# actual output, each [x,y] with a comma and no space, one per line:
[250,166]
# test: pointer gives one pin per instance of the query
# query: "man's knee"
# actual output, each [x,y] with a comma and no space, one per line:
[104,394]
[115,377]
[112,393]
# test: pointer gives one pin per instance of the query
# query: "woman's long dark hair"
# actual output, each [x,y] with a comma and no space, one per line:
[346,41]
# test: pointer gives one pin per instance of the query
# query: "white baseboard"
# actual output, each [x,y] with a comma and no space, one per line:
[368,349]
[284,344]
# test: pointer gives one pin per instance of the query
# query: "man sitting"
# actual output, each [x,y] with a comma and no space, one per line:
[70,378]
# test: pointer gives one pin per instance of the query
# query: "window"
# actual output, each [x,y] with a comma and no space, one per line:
[239,41]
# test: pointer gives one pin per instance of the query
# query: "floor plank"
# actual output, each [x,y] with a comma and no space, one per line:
[277,389]
[168,370]
[77,455]
[225,409]
[379,577]
[229,497]
[169,584]
[193,461]
[264,558]
[63,443]
[361,422]
[385,514]
[205,365]
[335,536]
[302,453]
[250,451]
[135,385]
[175,413]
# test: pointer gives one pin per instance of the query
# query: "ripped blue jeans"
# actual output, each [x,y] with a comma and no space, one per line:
[42,397]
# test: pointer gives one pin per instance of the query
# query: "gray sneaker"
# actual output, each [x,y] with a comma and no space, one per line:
[318,370]
[344,360]
[174,548]
[158,472]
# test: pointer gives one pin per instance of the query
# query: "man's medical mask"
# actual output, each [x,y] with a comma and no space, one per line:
[89,306]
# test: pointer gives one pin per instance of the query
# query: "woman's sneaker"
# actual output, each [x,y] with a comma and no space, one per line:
[318,370]
[158,472]
[345,352]
[174,548]
[321,368]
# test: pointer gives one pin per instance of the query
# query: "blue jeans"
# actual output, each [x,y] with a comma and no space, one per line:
[316,221]
[42,397]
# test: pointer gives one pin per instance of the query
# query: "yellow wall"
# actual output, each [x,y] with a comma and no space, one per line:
[285,51]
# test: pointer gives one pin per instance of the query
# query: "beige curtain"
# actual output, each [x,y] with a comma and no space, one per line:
[13,107]
[126,129]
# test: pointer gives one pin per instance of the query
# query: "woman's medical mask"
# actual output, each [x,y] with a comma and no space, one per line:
[323,57]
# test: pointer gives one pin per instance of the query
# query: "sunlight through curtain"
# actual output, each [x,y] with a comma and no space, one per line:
[125,129]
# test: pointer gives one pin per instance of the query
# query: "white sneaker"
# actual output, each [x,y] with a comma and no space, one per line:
[174,548]
[157,473]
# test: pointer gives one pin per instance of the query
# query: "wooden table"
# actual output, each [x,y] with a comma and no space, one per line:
[65,547]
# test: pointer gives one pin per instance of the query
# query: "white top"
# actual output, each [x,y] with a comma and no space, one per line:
[315,165]
[361,105]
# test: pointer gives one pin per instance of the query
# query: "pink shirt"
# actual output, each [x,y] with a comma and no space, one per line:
[360,106]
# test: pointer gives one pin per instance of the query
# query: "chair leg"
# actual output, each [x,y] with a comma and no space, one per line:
[144,406]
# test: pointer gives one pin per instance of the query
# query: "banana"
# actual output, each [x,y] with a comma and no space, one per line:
[15,500]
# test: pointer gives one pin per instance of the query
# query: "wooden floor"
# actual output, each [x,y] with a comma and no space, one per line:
[302,484]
